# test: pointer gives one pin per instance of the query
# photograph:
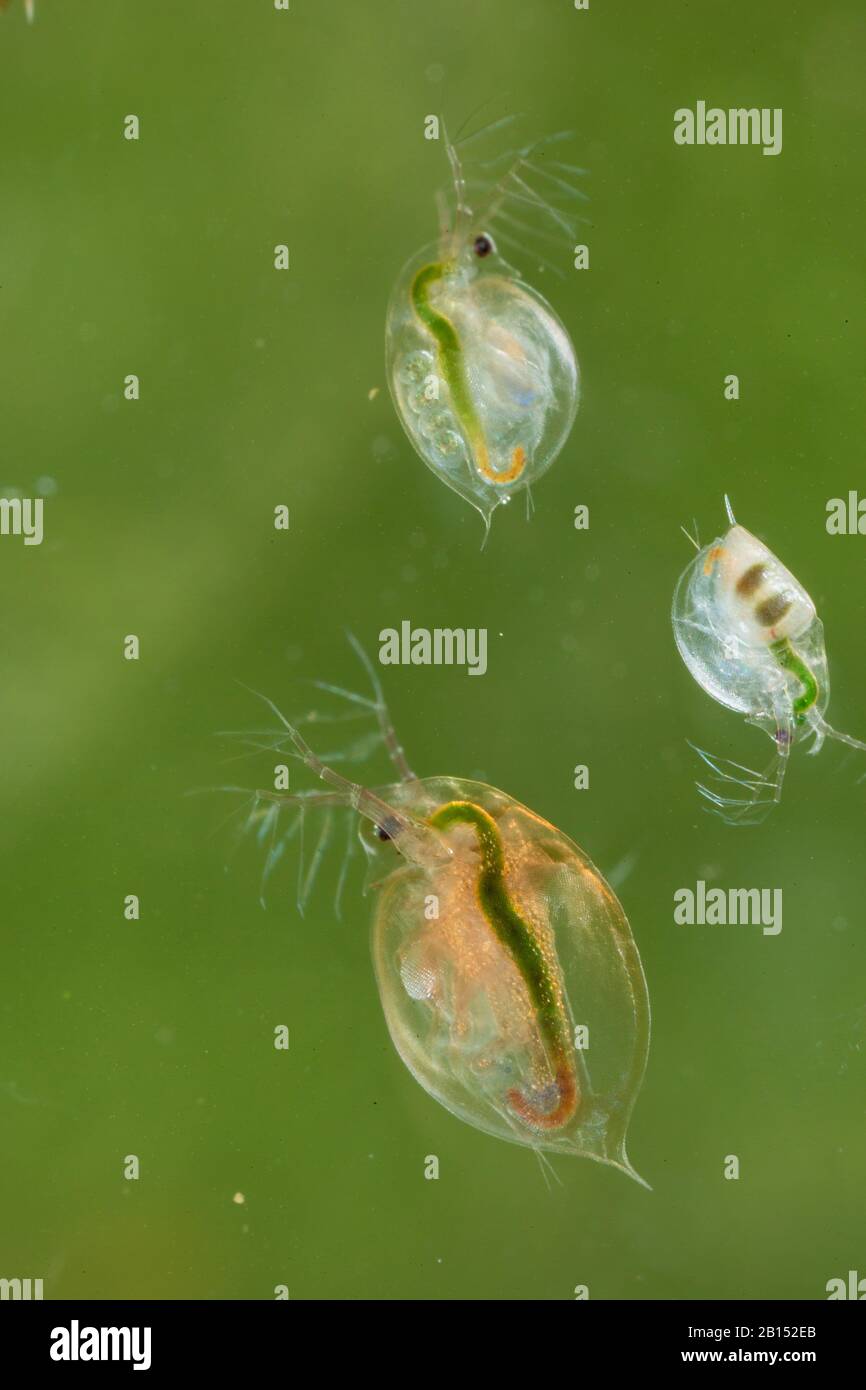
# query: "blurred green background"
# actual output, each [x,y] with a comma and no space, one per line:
[154,1037]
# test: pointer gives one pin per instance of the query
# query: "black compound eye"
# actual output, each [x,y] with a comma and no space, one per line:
[388,830]
[482,245]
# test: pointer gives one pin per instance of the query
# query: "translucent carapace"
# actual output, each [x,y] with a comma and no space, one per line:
[509,978]
[749,634]
[482,371]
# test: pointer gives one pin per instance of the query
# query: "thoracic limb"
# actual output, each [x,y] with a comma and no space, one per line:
[741,795]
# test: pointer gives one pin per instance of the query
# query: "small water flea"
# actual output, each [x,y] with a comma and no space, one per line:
[469,341]
[750,635]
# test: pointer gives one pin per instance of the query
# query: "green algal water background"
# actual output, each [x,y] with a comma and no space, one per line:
[155,257]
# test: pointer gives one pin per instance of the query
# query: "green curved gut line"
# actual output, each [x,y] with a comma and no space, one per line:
[511,930]
[451,358]
[790,660]
[453,365]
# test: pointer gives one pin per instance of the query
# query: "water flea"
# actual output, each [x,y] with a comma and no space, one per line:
[493,938]
[750,635]
[482,371]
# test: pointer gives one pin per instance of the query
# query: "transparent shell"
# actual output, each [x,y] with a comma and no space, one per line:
[726,650]
[520,370]
[458,1009]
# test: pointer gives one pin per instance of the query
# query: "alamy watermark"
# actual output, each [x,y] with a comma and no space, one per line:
[77,1343]
[846,516]
[22,516]
[438,646]
[853,1287]
[23,1289]
[738,125]
[722,907]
